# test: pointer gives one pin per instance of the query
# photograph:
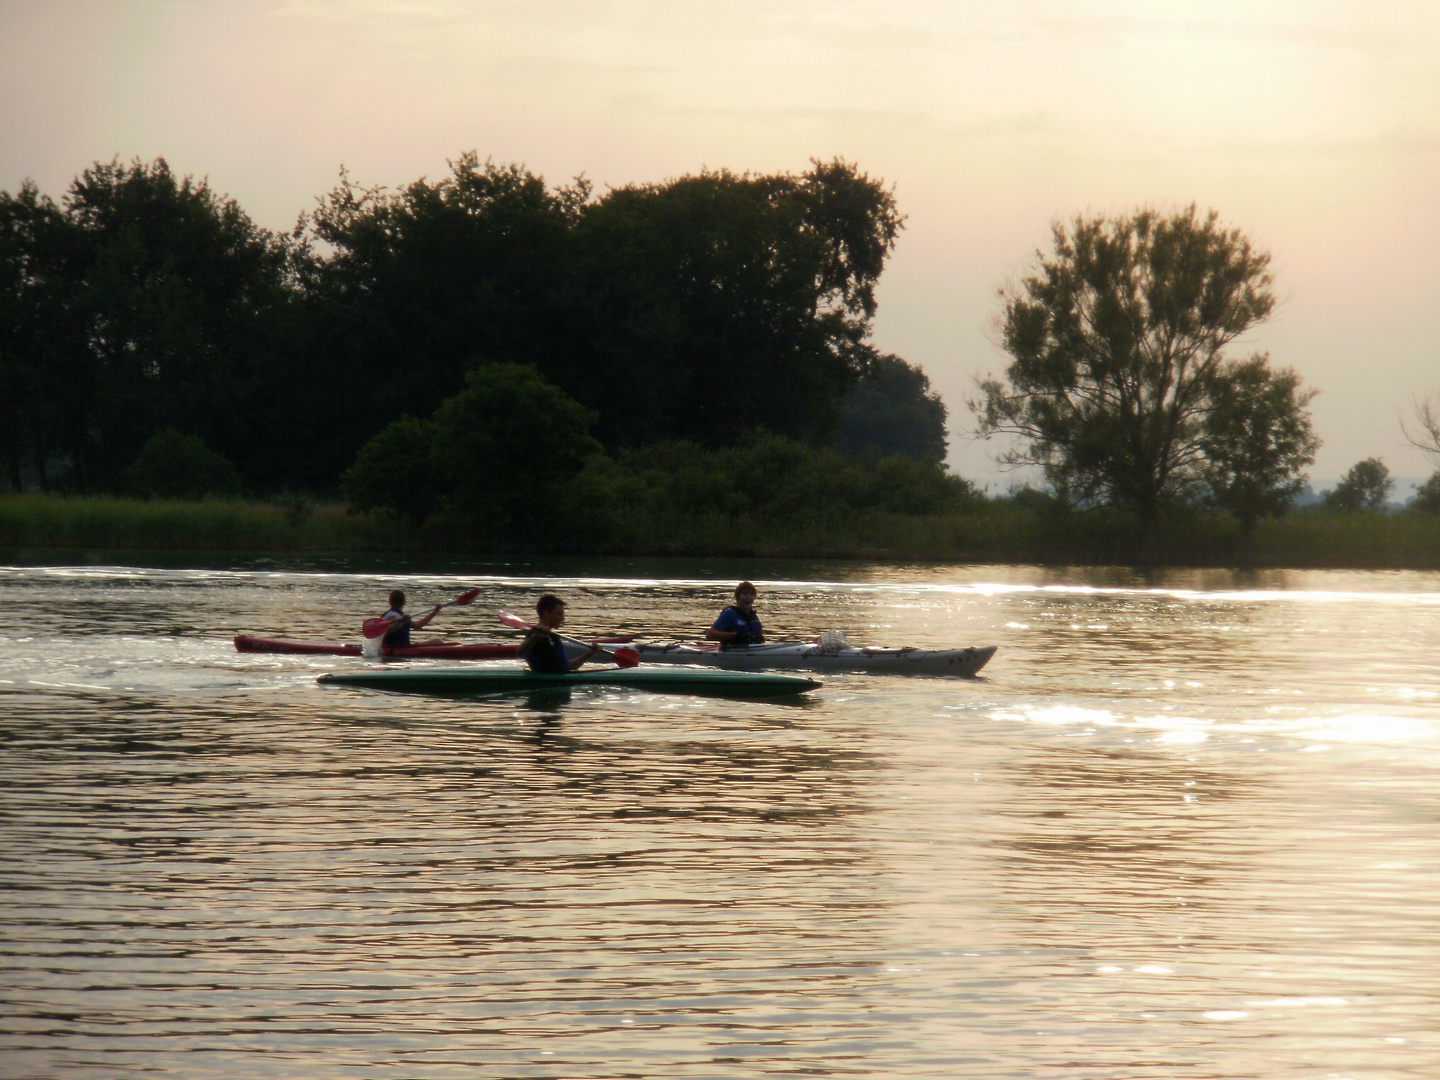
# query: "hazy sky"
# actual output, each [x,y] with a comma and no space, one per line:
[1312,125]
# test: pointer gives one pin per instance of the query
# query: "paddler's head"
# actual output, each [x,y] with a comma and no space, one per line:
[550,611]
[745,596]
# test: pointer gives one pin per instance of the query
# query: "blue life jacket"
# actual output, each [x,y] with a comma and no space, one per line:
[748,631]
[549,655]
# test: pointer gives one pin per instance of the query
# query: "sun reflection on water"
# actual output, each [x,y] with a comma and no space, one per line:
[1181,827]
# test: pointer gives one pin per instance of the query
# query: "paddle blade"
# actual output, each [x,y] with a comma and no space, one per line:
[627,657]
[512,621]
[465,598]
[374,628]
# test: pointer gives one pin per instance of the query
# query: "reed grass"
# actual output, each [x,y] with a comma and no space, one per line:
[1330,540]
[994,533]
[100,521]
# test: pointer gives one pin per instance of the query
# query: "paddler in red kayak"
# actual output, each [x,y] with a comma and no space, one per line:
[400,635]
[542,648]
[738,625]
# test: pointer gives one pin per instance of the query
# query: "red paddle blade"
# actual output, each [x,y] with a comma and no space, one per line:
[465,598]
[374,628]
[513,621]
[627,657]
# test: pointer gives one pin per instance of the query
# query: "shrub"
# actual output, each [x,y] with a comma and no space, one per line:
[172,465]
[775,477]
[393,472]
[1427,496]
[1364,488]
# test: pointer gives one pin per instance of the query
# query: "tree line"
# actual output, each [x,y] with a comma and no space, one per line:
[708,309]
[477,345]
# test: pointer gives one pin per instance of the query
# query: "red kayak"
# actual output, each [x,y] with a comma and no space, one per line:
[447,650]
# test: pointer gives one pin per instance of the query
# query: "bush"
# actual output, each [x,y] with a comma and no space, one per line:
[503,451]
[172,465]
[1040,500]
[1427,496]
[509,445]
[777,478]
[1364,488]
[393,472]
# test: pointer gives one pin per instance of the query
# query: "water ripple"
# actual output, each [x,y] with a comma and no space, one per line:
[1182,829]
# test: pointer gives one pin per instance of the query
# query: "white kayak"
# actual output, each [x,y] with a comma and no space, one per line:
[812,657]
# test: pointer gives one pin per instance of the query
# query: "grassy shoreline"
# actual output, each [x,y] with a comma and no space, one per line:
[996,534]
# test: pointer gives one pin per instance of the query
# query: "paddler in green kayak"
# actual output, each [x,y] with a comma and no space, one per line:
[738,625]
[542,648]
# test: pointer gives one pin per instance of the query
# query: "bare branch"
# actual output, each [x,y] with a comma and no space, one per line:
[1425,435]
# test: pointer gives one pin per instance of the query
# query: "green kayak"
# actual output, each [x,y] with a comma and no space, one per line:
[488,679]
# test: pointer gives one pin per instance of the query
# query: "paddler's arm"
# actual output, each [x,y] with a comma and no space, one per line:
[528,641]
[416,624]
[716,634]
[575,664]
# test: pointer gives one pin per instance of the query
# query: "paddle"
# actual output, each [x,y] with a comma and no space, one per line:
[374,628]
[622,657]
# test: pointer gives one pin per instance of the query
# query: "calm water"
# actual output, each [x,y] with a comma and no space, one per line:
[1186,826]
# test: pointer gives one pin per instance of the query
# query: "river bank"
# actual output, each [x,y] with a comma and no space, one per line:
[997,533]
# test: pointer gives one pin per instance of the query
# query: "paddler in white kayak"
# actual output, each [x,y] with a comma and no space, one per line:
[542,648]
[738,626]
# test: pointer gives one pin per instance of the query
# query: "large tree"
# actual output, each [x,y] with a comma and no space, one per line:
[419,283]
[40,340]
[176,298]
[146,301]
[1119,380]
[727,303]
[717,304]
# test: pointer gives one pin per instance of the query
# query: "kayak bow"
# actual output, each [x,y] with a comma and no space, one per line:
[807,656]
